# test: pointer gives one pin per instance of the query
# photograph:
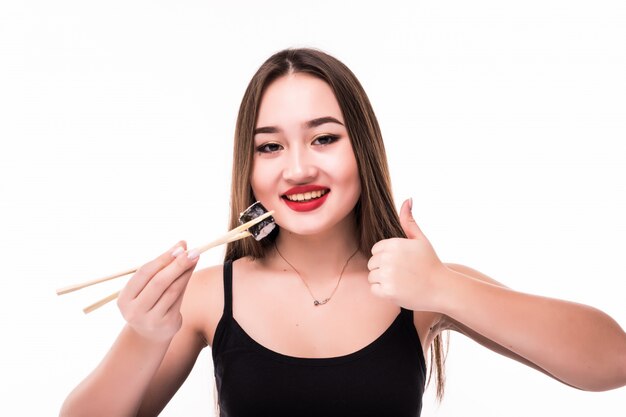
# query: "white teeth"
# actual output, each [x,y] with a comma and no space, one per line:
[306,196]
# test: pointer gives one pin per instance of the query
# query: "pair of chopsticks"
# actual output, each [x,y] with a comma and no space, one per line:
[237,233]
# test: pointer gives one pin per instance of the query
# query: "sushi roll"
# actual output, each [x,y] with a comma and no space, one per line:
[261,229]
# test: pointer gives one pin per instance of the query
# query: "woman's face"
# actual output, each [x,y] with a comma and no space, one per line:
[304,167]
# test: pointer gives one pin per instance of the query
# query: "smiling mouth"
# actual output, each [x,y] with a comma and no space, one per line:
[308,196]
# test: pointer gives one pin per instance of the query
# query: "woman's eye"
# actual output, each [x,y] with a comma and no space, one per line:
[325,139]
[269,148]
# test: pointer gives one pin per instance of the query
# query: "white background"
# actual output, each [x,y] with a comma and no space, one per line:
[505,121]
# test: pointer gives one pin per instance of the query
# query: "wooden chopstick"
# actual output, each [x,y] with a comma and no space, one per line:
[101,302]
[226,238]
[76,287]
[202,249]
[237,233]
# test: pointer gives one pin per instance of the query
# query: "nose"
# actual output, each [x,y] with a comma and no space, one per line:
[299,166]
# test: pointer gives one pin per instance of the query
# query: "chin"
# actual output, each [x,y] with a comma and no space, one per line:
[311,227]
[300,230]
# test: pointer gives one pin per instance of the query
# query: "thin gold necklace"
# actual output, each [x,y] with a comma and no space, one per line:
[316,302]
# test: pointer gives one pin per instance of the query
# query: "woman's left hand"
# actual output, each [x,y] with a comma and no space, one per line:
[407,271]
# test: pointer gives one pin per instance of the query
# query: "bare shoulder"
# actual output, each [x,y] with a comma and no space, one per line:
[204,301]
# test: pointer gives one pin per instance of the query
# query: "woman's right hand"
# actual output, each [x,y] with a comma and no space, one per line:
[150,303]
[151,300]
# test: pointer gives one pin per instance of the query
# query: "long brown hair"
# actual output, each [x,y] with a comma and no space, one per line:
[375,213]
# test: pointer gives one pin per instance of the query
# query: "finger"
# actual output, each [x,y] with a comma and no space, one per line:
[380,246]
[155,287]
[410,227]
[177,306]
[374,277]
[145,273]
[173,293]
[373,263]
[377,290]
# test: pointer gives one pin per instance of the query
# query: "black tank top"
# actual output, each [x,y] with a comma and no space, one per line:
[384,379]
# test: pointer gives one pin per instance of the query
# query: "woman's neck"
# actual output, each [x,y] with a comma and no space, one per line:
[319,256]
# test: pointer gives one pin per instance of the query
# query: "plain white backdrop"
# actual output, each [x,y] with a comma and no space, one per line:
[505,121]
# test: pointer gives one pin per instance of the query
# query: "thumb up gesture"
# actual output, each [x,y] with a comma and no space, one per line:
[406,271]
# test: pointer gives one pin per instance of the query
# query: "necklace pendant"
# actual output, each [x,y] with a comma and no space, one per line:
[320,303]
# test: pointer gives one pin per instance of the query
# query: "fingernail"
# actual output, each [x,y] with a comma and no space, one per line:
[177,251]
[193,254]
[411,204]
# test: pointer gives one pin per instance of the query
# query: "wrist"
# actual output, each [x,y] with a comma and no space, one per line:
[446,286]
[146,342]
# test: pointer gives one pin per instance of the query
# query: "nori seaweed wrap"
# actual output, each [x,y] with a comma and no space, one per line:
[261,229]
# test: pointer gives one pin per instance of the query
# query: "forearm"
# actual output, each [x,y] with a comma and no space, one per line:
[579,345]
[116,387]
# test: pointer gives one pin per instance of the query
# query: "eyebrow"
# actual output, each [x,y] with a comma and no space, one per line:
[309,125]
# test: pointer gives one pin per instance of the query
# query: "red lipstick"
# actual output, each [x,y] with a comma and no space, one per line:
[307,205]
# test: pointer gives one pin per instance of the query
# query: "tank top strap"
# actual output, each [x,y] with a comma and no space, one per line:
[228,288]
[406,314]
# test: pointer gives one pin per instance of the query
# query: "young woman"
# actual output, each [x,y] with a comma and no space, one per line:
[333,313]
